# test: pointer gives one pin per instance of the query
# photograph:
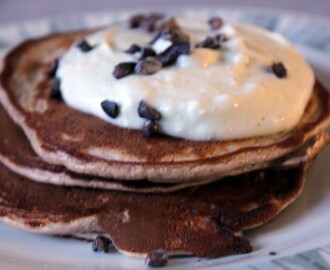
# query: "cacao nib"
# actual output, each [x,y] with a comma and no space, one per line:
[171,54]
[55,92]
[52,71]
[147,112]
[133,49]
[157,258]
[135,21]
[101,244]
[176,35]
[150,128]
[145,22]
[208,43]
[148,66]
[146,52]
[279,70]
[84,46]
[123,69]
[216,23]
[111,108]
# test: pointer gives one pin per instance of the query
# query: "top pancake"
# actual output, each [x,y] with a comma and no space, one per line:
[86,144]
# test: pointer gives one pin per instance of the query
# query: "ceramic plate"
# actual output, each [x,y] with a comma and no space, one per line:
[303,226]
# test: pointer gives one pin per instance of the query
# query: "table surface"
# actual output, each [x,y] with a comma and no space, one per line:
[19,10]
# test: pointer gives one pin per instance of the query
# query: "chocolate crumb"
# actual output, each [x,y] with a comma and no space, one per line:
[148,66]
[171,54]
[279,70]
[84,46]
[101,244]
[111,108]
[53,69]
[272,253]
[55,93]
[147,112]
[157,258]
[146,52]
[216,23]
[123,69]
[133,49]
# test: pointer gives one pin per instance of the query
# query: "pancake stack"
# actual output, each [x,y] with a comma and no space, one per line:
[65,172]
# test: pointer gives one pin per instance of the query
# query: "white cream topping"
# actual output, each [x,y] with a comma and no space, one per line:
[228,93]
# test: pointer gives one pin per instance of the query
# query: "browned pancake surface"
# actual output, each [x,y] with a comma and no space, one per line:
[205,220]
[86,144]
[17,154]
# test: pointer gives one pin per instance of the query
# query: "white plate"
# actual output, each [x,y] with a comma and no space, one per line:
[304,225]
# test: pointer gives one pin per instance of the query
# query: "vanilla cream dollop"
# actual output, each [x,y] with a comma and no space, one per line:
[228,93]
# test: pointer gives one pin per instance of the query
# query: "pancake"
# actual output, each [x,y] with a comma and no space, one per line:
[88,145]
[16,153]
[205,221]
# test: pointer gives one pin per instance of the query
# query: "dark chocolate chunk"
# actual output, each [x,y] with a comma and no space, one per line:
[171,54]
[101,244]
[148,66]
[84,46]
[148,112]
[123,69]
[216,23]
[55,93]
[146,52]
[53,69]
[279,70]
[133,49]
[150,127]
[157,258]
[111,108]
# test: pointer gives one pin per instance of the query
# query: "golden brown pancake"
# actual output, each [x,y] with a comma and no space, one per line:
[88,145]
[205,221]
